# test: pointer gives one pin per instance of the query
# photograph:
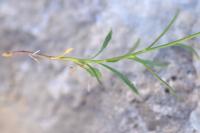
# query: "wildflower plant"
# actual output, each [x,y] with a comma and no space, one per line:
[132,55]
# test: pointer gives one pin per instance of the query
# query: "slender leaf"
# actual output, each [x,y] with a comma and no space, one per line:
[135,46]
[123,78]
[190,49]
[105,43]
[165,30]
[157,76]
[94,72]
[150,62]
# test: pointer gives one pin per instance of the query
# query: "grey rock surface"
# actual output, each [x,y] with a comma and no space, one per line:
[195,119]
[58,97]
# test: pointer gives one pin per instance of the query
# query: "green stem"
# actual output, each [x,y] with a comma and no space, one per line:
[129,55]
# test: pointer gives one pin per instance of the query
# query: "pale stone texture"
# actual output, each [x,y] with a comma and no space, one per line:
[52,97]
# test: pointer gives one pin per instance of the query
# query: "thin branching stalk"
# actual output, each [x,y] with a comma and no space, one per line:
[132,54]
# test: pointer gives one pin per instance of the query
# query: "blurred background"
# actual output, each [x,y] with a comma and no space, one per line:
[58,97]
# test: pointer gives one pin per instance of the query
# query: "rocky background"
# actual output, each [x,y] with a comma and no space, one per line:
[58,97]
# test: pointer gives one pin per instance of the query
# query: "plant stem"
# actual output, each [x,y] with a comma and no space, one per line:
[130,55]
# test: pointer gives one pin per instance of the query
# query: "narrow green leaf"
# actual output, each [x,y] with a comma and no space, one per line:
[157,77]
[150,62]
[190,49]
[135,46]
[94,72]
[123,78]
[165,30]
[105,43]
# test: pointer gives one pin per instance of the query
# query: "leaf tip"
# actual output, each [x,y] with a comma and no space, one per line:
[69,50]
